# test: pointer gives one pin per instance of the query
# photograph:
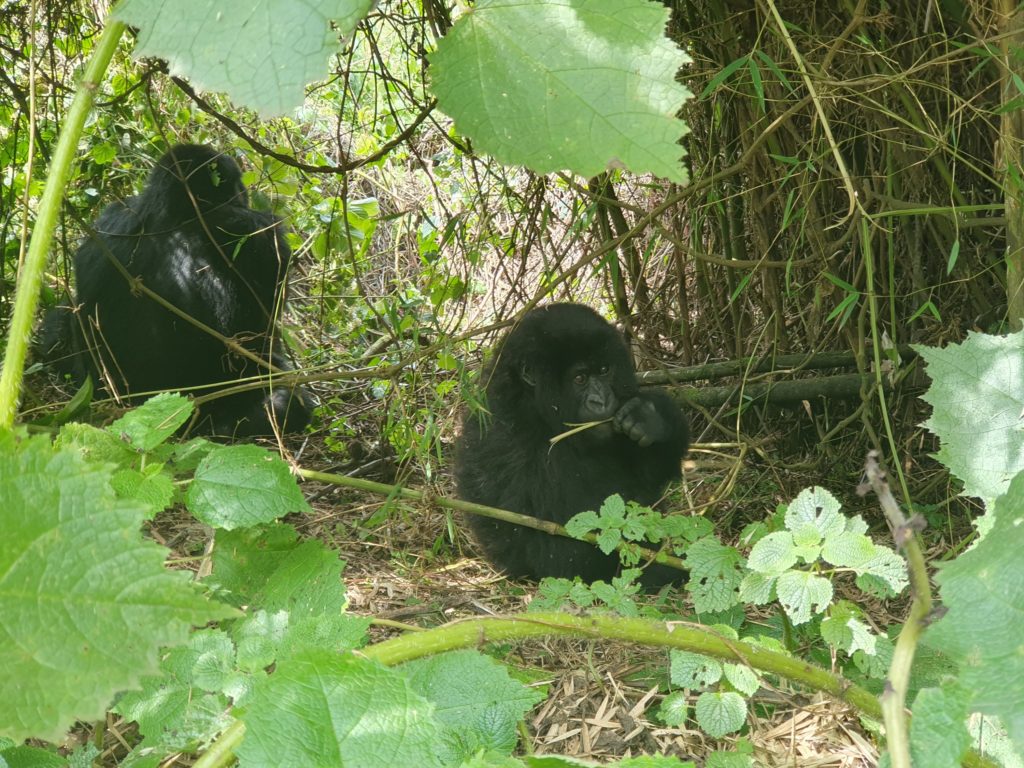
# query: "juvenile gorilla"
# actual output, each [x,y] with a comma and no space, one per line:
[563,364]
[192,239]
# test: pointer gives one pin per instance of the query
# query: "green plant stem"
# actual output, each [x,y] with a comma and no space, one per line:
[31,277]
[393,491]
[472,633]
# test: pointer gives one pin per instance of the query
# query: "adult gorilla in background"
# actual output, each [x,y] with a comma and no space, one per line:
[563,364]
[191,238]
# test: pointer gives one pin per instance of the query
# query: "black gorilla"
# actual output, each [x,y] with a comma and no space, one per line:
[191,238]
[563,364]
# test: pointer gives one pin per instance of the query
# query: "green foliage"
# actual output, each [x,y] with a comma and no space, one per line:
[722,710]
[983,590]
[938,732]
[540,105]
[620,524]
[243,485]
[476,701]
[274,570]
[788,564]
[321,708]
[231,52]
[85,602]
[978,383]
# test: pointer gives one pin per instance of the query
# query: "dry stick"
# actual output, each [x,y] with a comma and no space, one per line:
[894,696]
[494,513]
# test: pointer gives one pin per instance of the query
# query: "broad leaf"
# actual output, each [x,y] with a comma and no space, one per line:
[583,85]
[261,53]
[85,601]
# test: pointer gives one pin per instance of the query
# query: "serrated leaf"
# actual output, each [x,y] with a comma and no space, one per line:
[85,601]
[742,678]
[243,485]
[674,709]
[773,554]
[715,575]
[270,567]
[476,701]
[184,706]
[322,708]
[607,100]
[145,427]
[266,637]
[848,634]
[757,588]
[261,53]
[152,487]
[983,590]
[938,731]
[887,566]
[815,506]
[978,383]
[801,593]
[691,670]
[720,713]
[847,550]
[582,524]
[608,540]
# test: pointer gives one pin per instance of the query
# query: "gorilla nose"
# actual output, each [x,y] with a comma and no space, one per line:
[598,407]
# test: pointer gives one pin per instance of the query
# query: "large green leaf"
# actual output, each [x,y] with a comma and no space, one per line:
[321,708]
[977,402]
[85,601]
[243,485]
[582,85]
[983,590]
[261,53]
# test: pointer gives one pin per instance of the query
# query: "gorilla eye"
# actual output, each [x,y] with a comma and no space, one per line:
[580,378]
[603,369]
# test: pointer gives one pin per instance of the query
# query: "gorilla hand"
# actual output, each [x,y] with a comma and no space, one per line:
[639,420]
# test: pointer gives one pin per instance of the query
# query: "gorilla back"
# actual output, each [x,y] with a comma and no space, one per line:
[192,239]
[563,364]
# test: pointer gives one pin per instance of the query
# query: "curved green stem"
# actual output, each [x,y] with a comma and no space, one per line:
[31,277]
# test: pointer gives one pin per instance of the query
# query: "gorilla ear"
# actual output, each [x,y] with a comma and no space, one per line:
[527,376]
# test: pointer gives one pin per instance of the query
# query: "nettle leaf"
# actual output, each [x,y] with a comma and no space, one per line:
[476,700]
[803,593]
[715,575]
[673,709]
[261,54]
[720,713]
[608,540]
[938,732]
[843,629]
[271,568]
[847,549]
[593,88]
[582,524]
[243,485]
[773,554]
[984,592]
[145,427]
[978,382]
[742,678]
[152,486]
[186,705]
[757,588]
[266,637]
[691,670]
[322,708]
[817,507]
[85,600]
[887,566]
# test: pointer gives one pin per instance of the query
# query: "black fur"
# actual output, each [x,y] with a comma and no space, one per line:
[191,238]
[564,364]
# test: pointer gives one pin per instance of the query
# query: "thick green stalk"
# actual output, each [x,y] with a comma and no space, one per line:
[31,277]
